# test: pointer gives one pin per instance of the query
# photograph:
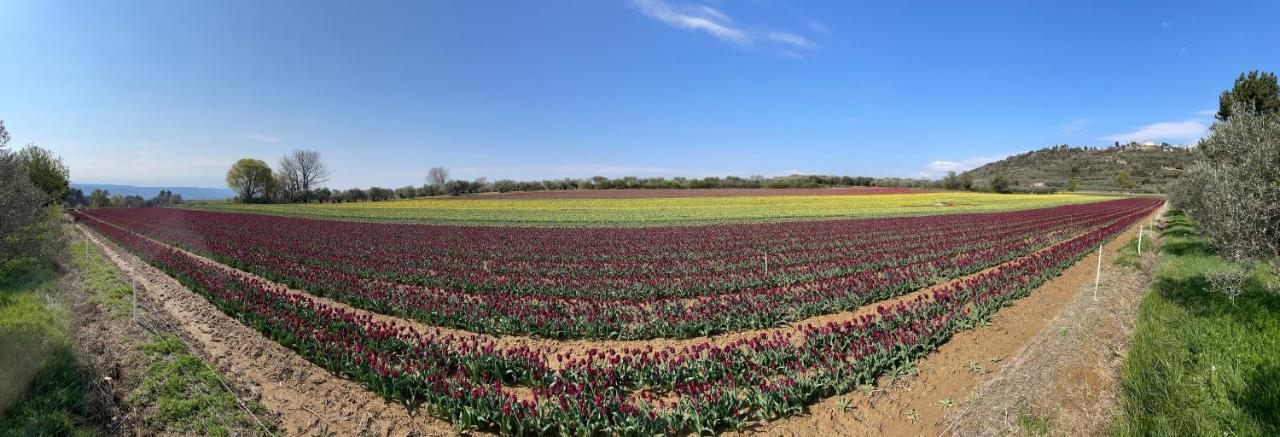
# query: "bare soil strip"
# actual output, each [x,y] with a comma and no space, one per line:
[308,399]
[918,404]
[1067,379]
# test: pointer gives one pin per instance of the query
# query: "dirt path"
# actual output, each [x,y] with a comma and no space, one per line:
[918,404]
[109,351]
[1067,379]
[308,399]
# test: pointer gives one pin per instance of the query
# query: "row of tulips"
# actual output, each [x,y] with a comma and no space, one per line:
[703,388]
[560,318]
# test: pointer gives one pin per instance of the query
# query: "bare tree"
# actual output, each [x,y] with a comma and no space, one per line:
[303,172]
[438,176]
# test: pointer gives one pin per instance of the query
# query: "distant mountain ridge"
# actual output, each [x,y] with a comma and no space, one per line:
[1151,167]
[189,193]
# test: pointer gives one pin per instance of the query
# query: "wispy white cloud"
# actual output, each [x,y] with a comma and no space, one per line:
[717,24]
[263,138]
[1176,50]
[1076,125]
[1207,112]
[940,168]
[1167,23]
[696,18]
[713,12]
[1186,131]
[817,26]
[791,39]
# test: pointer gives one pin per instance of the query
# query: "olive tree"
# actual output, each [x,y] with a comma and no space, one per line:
[1233,190]
[25,223]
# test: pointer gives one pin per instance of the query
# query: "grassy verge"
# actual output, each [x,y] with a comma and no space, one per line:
[1128,256]
[43,388]
[173,392]
[102,281]
[1201,364]
[180,394]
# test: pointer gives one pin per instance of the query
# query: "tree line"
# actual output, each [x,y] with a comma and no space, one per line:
[100,198]
[301,175]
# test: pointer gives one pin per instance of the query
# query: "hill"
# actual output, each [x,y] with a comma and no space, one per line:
[189,193]
[1152,167]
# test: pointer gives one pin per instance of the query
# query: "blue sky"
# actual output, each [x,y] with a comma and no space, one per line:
[171,92]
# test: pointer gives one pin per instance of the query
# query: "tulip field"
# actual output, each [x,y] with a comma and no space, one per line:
[539,209]
[480,308]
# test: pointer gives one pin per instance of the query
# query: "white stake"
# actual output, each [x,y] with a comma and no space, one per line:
[1097,277]
[1139,240]
[135,300]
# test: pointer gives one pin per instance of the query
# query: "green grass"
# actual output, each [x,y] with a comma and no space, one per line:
[180,394]
[1034,426]
[665,211]
[1128,256]
[104,283]
[43,389]
[1201,364]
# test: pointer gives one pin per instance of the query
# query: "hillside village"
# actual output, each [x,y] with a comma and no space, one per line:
[1151,167]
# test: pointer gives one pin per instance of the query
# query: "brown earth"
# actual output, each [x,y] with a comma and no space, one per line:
[918,404]
[1067,379]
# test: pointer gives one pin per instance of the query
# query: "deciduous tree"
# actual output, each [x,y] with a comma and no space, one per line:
[99,198]
[1124,180]
[47,172]
[250,178]
[1000,184]
[303,172]
[437,177]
